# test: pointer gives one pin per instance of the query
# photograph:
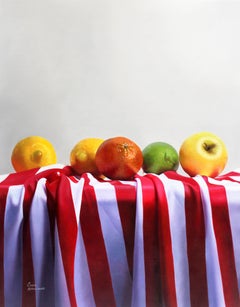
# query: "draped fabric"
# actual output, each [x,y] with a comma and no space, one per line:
[158,240]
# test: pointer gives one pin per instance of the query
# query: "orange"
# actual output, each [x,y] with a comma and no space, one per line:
[32,152]
[82,156]
[119,158]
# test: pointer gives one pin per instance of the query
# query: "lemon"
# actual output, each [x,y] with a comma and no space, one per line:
[32,152]
[82,156]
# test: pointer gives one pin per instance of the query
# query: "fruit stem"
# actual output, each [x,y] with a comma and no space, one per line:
[208,147]
[37,155]
[124,148]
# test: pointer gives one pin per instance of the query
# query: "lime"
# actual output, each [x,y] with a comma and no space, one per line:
[159,157]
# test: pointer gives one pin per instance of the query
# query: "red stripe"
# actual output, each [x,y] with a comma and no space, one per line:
[28,296]
[52,182]
[95,249]
[195,228]
[151,244]
[232,176]
[195,231]
[126,199]
[165,245]
[51,191]
[67,230]
[228,175]
[3,197]
[222,229]
[19,177]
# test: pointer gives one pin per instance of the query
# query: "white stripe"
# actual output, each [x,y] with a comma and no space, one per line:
[82,279]
[42,248]
[114,241]
[233,192]
[214,280]
[61,291]
[13,247]
[50,167]
[139,287]
[3,177]
[176,206]
[76,191]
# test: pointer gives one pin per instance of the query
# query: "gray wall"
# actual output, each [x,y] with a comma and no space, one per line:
[149,70]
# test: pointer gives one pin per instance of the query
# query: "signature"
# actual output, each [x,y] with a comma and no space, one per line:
[33,287]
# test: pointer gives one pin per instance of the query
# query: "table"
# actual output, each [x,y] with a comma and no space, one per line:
[158,240]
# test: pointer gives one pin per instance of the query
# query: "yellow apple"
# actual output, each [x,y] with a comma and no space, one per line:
[203,153]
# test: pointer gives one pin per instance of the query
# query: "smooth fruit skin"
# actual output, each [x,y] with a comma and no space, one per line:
[203,153]
[119,158]
[32,152]
[159,157]
[82,156]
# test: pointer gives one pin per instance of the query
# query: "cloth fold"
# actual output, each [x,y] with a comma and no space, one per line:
[155,241]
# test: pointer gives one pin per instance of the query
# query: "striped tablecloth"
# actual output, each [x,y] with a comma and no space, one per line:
[166,240]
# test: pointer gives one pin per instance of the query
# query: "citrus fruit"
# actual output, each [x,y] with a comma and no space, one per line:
[119,158]
[159,157]
[203,153]
[82,156]
[32,152]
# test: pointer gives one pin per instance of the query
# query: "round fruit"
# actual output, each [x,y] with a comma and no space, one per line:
[159,157]
[203,153]
[82,156]
[119,158]
[32,152]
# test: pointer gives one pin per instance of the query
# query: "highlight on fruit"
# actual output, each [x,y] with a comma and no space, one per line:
[203,153]
[120,158]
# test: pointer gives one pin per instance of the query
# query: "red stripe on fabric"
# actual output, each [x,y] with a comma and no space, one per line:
[19,177]
[3,197]
[233,179]
[228,175]
[28,297]
[126,199]
[222,229]
[54,172]
[195,231]
[67,231]
[95,248]
[165,245]
[52,182]
[51,192]
[151,244]
[195,228]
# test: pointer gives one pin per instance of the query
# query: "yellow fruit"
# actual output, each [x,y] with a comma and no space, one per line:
[203,153]
[119,158]
[82,156]
[32,152]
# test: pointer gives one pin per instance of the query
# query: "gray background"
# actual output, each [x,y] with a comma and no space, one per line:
[147,69]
